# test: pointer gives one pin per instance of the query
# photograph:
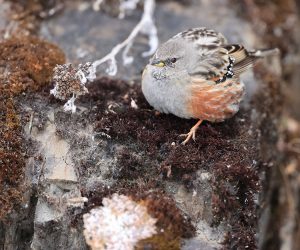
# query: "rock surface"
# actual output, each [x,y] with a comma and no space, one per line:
[210,194]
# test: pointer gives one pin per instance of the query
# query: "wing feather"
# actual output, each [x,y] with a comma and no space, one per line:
[243,59]
[212,57]
[203,36]
[217,60]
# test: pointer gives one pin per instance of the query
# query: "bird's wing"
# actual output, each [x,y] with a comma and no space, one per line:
[203,36]
[211,59]
[243,60]
[216,60]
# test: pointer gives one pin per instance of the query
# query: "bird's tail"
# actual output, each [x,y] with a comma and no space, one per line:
[246,58]
[264,52]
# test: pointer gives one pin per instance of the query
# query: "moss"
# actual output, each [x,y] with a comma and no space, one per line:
[29,62]
[130,165]
[11,155]
[171,224]
[151,151]
[27,65]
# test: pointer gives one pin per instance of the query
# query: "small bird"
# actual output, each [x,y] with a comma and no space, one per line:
[195,74]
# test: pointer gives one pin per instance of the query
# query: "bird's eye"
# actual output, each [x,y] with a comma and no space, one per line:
[159,64]
[173,60]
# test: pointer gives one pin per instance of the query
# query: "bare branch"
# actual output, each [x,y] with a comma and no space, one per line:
[145,26]
[97,5]
[126,5]
[87,72]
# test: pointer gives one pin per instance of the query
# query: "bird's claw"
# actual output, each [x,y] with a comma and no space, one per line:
[189,135]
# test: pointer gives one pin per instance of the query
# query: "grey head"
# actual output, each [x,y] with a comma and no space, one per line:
[173,58]
[165,75]
[196,51]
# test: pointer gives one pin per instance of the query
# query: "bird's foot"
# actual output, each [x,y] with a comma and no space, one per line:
[191,134]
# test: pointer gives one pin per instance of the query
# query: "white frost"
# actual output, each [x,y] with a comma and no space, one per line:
[119,224]
[70,105]
[133,104]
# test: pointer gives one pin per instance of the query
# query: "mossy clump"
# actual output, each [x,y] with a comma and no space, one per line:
[235,186]
[26,64]
[149,152]
[12,158]
[171,225]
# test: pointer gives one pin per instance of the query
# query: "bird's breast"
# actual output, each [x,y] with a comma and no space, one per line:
[215,102]
[166,94]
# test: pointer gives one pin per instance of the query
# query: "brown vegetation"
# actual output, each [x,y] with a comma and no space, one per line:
[25,64]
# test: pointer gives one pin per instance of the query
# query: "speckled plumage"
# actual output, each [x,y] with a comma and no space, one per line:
[195,74]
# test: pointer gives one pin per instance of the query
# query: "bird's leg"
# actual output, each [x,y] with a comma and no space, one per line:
[192,133]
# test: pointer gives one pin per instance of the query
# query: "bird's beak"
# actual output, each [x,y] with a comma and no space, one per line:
[144,71]
[158,63]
